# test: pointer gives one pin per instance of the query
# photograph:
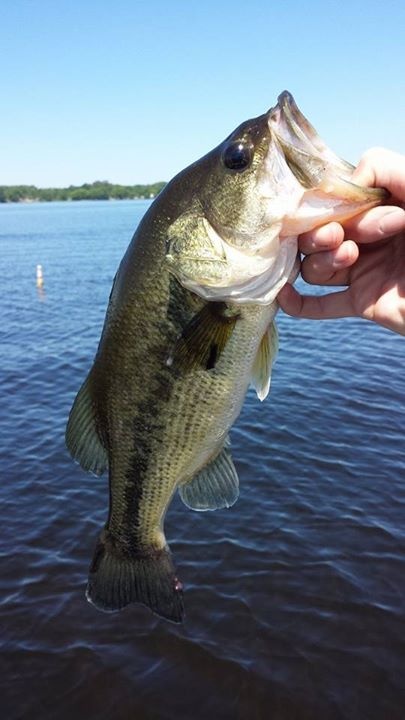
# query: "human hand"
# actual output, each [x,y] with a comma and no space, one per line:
[371,263]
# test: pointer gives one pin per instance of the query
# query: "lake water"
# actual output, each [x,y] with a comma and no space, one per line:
[295,597]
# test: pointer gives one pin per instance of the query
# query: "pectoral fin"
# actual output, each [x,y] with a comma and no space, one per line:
[215,486]
[204,338]
[266,355]
[82,439]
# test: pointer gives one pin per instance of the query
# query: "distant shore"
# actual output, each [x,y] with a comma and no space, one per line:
[99,190]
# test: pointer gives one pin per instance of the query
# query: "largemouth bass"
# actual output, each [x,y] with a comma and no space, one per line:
[188,327]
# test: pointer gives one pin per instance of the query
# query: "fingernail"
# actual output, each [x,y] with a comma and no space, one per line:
[338,264]
[393,221]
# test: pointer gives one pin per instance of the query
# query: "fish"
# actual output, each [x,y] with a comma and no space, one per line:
[189,327]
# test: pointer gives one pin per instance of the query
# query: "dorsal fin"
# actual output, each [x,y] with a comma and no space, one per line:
[82,438]
[266,355]
[215,486]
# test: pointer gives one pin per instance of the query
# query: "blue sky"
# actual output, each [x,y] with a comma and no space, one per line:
[132,91]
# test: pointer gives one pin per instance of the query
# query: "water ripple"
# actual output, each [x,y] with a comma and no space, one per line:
[295,597]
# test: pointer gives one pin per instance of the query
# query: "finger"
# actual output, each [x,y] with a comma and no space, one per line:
[324,307]
[327,237]
[378,223]
[379,167]
[330,268]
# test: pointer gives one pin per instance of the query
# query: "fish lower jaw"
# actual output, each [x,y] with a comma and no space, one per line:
[335,199]
[308,218]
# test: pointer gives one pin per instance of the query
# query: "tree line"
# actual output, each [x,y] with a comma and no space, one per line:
[99,190]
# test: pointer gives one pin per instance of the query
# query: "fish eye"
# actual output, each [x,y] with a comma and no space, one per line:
[237,156]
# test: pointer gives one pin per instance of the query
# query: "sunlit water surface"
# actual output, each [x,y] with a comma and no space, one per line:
[295,597]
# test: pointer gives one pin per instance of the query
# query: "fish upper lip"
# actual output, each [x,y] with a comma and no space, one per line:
[315,166]
[291,126]
[292,129]
[297,122]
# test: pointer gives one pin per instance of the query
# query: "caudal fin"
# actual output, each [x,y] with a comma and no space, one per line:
[118,577]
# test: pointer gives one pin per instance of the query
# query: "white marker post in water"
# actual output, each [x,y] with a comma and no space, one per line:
[40,277]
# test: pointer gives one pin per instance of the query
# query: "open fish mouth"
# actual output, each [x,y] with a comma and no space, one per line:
[316,167]
[293,130]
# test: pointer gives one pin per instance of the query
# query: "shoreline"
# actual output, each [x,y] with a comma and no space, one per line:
[32,201]
[98,190]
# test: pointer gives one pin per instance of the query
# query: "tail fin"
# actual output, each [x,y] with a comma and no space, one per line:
[118,578]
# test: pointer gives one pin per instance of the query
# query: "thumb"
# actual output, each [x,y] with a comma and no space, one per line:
[379,167]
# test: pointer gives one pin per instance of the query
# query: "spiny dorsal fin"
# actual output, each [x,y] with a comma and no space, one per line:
[82,438]
[205,337]
[266,355]
[215,486]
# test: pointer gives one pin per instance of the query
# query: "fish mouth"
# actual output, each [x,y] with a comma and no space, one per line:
[294,130]
[320,172]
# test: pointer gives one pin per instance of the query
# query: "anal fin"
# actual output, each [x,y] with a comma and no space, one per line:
[216,486]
